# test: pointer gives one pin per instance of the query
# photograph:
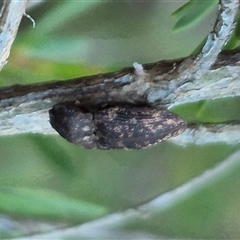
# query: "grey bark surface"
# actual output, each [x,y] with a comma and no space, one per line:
[10,18]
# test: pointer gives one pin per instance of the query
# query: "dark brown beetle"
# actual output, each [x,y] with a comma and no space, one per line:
[118,127]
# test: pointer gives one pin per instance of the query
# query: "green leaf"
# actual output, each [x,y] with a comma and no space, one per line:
[232,43]
[64,12]
[191,12]
[46,204]
[220,110]
[237,28]
[210,111]
[51,49]
[235,37]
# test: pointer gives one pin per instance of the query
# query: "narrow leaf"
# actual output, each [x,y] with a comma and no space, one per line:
[191,12]
[42,203]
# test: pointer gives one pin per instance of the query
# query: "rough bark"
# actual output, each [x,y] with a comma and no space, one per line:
[10,18]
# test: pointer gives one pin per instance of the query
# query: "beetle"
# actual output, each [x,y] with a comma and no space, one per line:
[119,127]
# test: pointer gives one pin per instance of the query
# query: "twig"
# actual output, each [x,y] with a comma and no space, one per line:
[216,39]
[10,18]
[31,116]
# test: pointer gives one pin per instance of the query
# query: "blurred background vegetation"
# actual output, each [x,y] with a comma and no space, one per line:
[45,178]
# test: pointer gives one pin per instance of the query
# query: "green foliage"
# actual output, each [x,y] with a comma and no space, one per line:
[39,203]
[235,38]
[67,10]
[191,12]
[211,111]
[113,181]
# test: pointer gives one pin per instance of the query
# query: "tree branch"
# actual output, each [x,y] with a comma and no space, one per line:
[24,109]
[10,18]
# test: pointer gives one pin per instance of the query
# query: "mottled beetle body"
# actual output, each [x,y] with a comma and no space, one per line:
[73,124]
[115,128]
